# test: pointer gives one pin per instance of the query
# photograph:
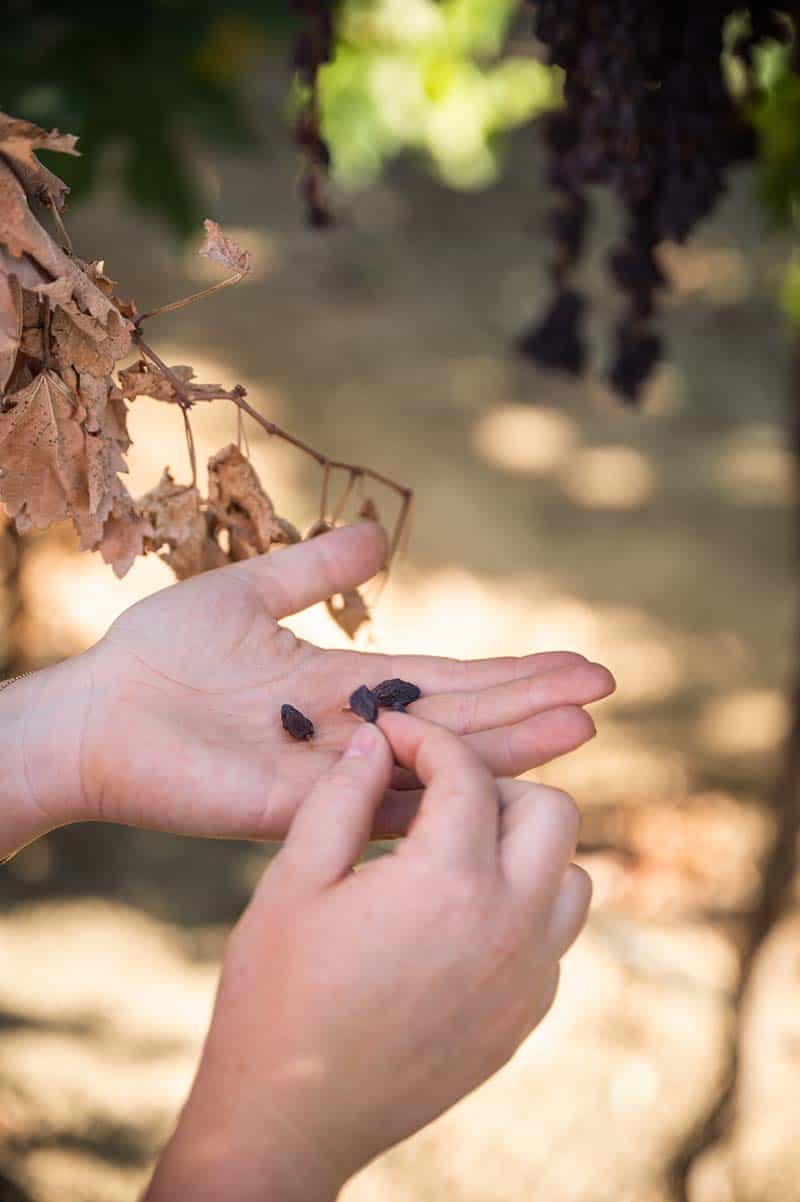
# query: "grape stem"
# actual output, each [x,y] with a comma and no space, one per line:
[185,399]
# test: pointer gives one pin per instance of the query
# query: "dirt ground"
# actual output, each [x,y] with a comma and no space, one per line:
[658,542]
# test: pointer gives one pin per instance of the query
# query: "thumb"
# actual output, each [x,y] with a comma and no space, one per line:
[332,826]
[296,577]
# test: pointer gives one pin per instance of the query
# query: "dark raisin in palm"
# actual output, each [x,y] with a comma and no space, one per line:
[364,703]
[296,724]
[396,694]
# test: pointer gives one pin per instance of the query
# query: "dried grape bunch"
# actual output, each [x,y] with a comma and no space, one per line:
[364,703]
[296,724]
[647,112]
[396,694]
[313,47]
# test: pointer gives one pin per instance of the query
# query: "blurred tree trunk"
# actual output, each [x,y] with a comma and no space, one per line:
[776,891]
[11,1192]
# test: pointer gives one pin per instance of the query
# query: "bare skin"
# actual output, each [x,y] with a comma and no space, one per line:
[172,721]
[354,1008]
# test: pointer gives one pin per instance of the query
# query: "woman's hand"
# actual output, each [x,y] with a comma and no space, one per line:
[354,1008]
[172,721]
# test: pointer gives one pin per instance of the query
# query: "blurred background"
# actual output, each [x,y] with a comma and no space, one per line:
[658,541]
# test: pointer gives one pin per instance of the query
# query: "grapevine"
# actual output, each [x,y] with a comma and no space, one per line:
[649,113]
[64,397]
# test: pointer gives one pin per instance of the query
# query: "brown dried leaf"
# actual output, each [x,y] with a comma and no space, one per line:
[124,533]
[145,379]
[42,463]
[82,342]
[176,518]
[96,273]
[10,325]
[106,440]
[239,504]
[369,511]
[349,611]
[321,526]
[285,532]
[30,253]
[117,423]
[226,251]
[19,141]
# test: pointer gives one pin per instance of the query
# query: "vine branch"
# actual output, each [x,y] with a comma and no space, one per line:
[237,394]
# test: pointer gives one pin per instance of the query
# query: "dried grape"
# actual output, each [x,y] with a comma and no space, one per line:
[396,694]
[364,703]
[296,724]
[648,113]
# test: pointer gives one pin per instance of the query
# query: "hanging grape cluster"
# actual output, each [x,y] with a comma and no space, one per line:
[647,112]
[312,48]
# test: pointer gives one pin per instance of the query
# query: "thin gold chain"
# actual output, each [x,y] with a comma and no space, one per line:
[13,679]
[4,685]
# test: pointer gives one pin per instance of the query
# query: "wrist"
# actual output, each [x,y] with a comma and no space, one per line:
[215,1164]
[42,717]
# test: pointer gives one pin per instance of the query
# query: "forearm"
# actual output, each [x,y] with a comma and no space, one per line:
[209,1163]
[41,719]
[241,1137]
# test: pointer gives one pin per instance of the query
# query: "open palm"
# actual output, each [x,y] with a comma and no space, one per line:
[188,736]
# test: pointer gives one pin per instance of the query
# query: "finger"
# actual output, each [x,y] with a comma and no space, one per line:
[543,1000]
[555,734]
[437,674]
[467,712]
[509,751]
[571,908]
[332,826]
[512,750]
[301,575]
[397,811]
[538,835]
[458,815]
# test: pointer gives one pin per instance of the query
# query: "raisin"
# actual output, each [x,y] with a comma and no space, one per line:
[295,723]
[396,694]
[364,703]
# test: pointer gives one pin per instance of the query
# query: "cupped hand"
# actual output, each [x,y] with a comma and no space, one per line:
[183,731]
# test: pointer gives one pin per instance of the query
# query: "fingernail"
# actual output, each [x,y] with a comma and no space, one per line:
[362,742]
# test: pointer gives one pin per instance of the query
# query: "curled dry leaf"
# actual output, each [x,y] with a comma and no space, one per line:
[96,273]
[226,251]
[80,341]
[145,379]
[321,526]
[42,462]
[10,326]
[61,448]
[124,533]
[349,611]
[32,341]
[368,511]
[175,515]
[19,141]
[238,503]
[23,238]
[107,439]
